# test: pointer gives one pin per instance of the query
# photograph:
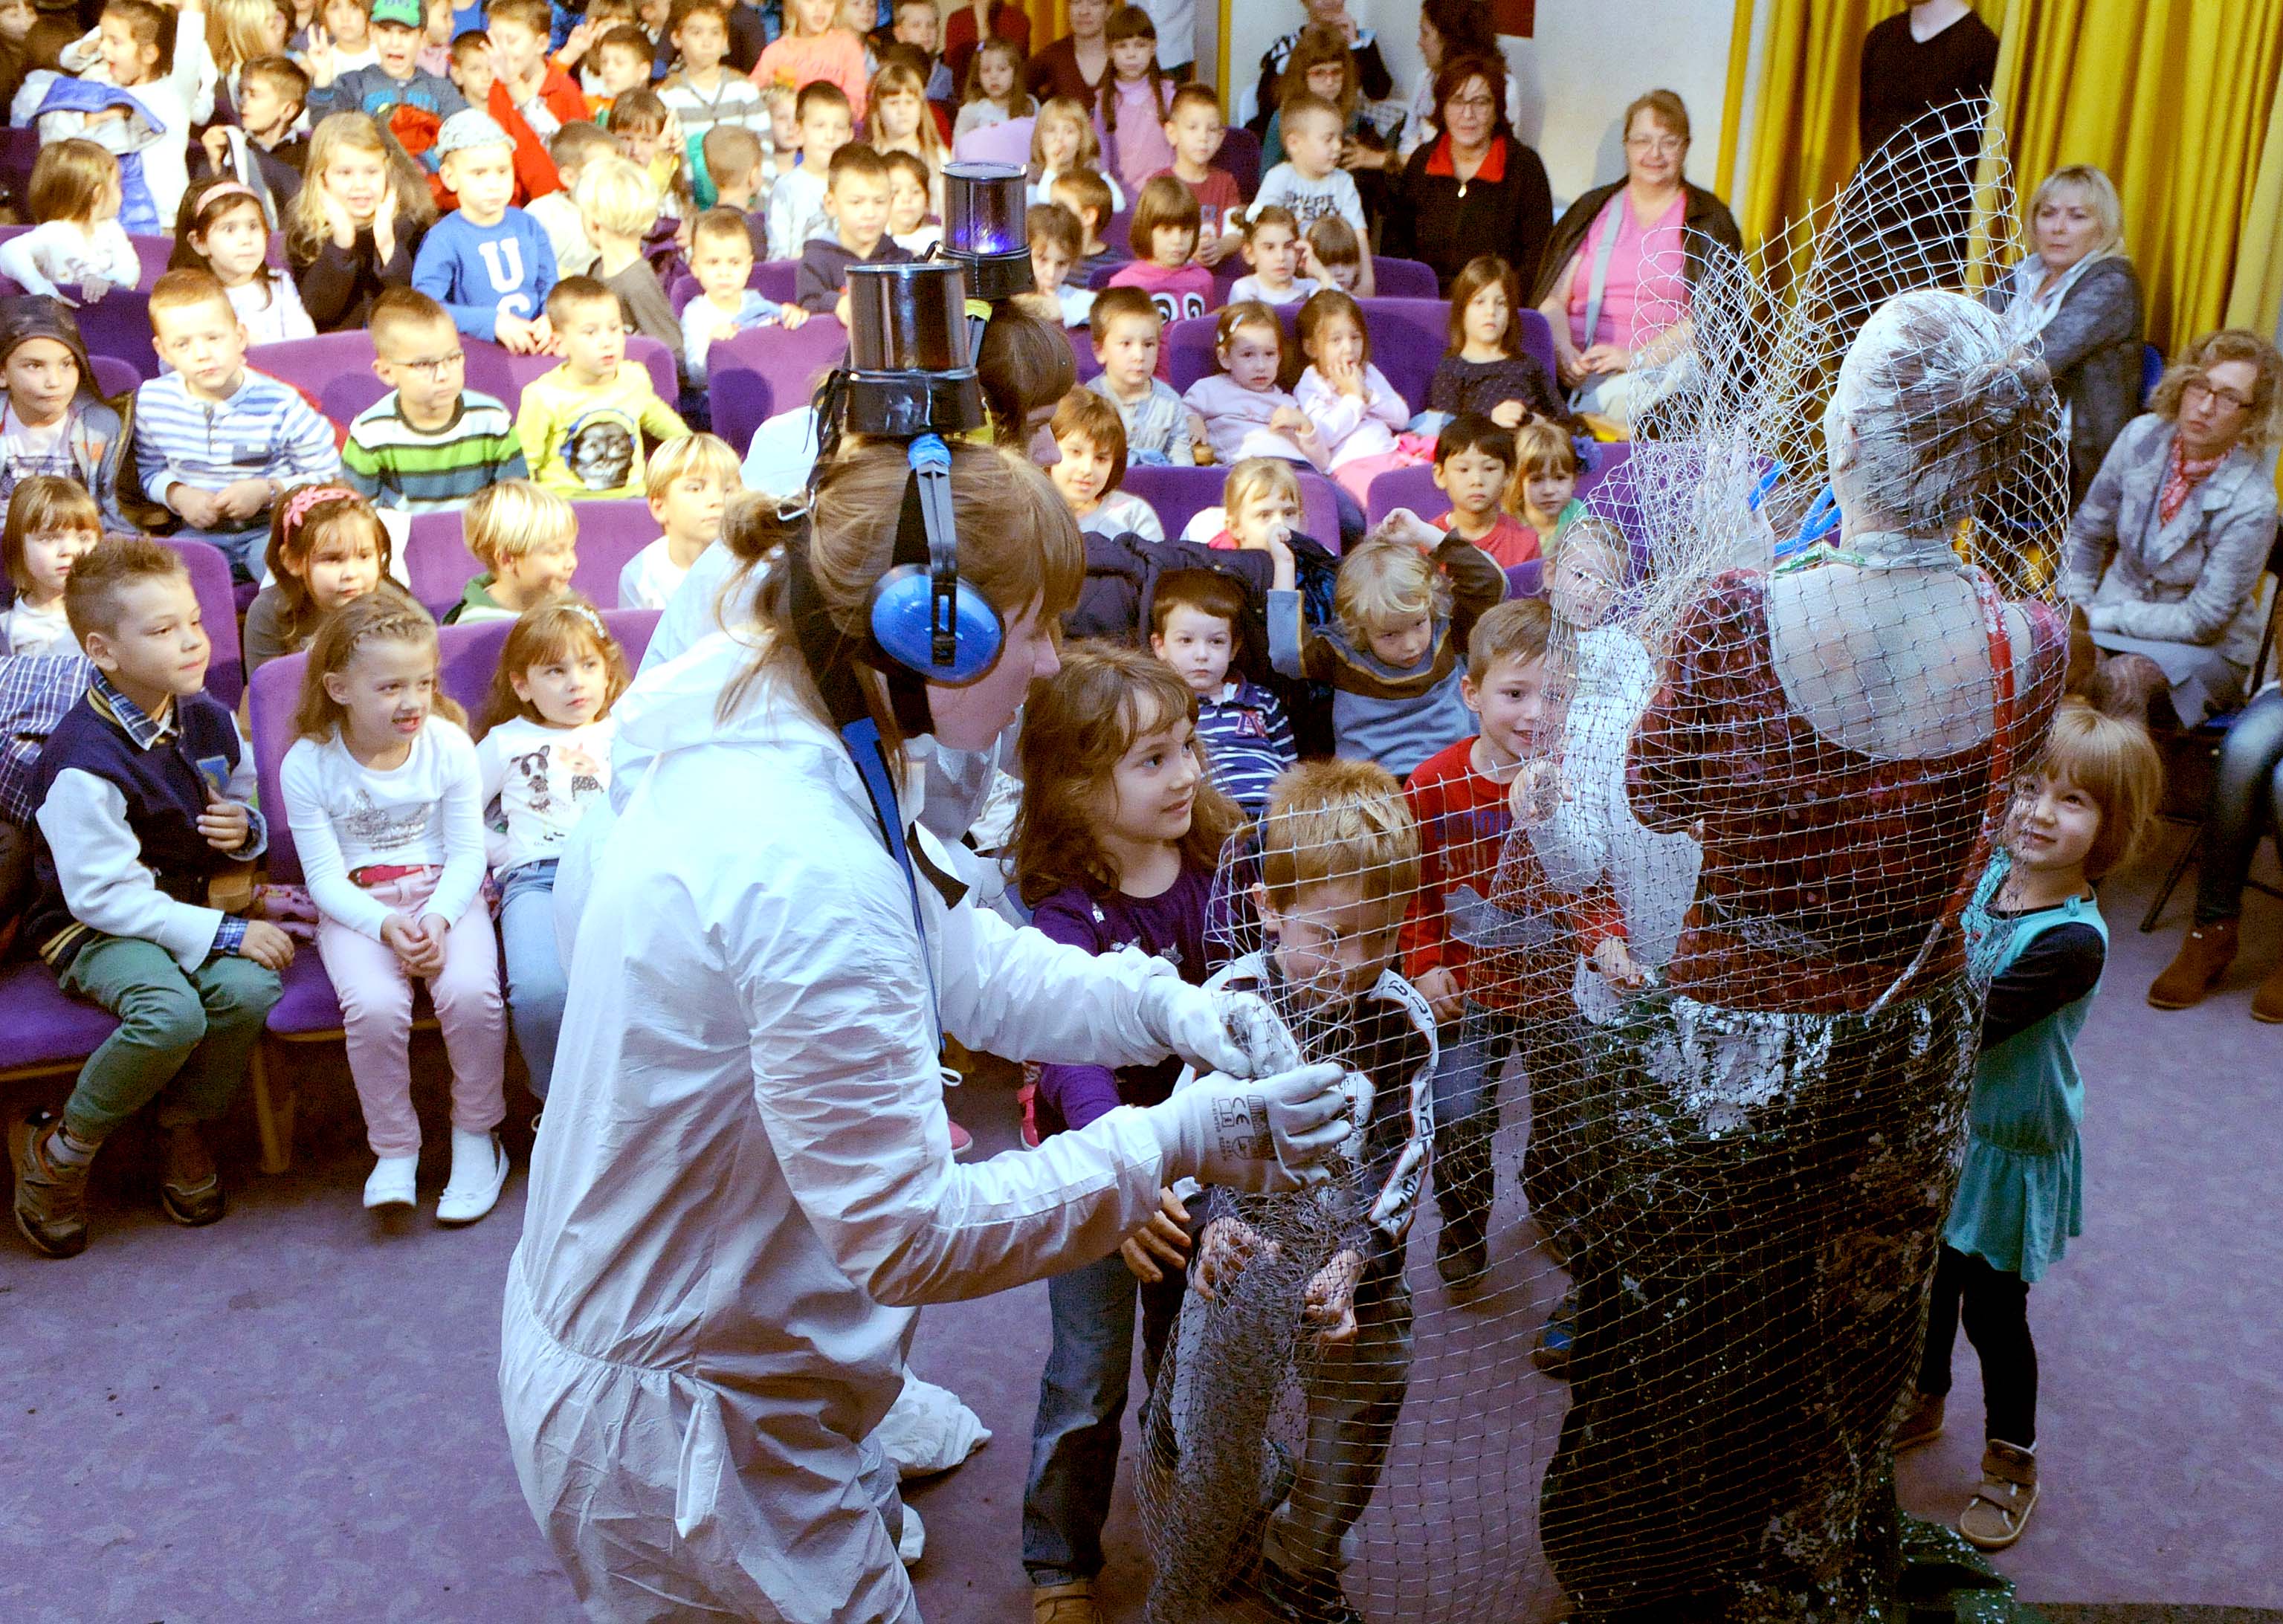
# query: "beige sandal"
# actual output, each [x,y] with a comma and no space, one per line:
[2000,1508]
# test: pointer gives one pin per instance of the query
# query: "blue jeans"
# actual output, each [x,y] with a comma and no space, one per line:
[243,548]
[1467,1114]
[534,969]
[1081,1400]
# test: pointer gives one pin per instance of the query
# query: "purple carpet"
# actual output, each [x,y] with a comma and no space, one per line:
[292,1416]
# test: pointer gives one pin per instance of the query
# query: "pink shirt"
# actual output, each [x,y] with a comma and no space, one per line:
[1646,289]
[1140,144]
[836,54]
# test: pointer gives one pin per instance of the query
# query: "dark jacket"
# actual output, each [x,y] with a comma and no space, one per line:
[1434,218]
[2092,348]
[1705,216]
[1122,573]
[338,286]
[824,274]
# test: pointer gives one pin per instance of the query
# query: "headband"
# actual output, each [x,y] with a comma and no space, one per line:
[227,189]
[298,505]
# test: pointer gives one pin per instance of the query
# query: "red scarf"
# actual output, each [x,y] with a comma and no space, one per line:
[1493,166]
[2181,478]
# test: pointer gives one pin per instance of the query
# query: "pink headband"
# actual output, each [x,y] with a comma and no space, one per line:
[228,189]
[298,505]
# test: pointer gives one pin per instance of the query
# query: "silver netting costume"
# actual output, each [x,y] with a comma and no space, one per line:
[1698,1115]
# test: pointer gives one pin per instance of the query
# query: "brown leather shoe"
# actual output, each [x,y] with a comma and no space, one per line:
[2267,1003]
[51,1196]
[190,1189]
[1065,1604]
[2203,959]
[2000,1508]
[1920,1422]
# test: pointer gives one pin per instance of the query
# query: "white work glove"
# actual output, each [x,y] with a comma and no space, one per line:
[1233,1033]
[1268,1135]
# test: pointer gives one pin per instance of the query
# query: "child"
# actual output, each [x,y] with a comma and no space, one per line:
[215,441]
[1245,414]
[430,443]
[907,204]
[1319,65]
[53,523]
[797,211]
[643,130]
[53,422]
[326,549]
[528,540]
[812,50]
[782,149]
[1135,100]
[1271,237]
[265,151]
[126,840]
[542,759]
[1485,370]
[435,53]
[1544,493]
[355,226]
[1160,430]
[384,795]
[472,73]
[1351,402]
[690,483]
[77,242]
[617,64]
[1310,181]
[617,206]
[1194,129]
[160,72]
[995,92]
[901,122]
[917,23]
[1394,651]
[1489,947]
[530,96]
[1115,852]
[1089,197]
[2039,938]
[1339,863]
[575,146]
[734,157]
[858,202]
[1334,254]
[1063,141]
[1474,465]
[1091,442]
[1194,627]
[1165,233]
[702,93]
[223,231]
[1056,237]
[486,262]
[395,77]
[721,259]
[581,425]
[346,34]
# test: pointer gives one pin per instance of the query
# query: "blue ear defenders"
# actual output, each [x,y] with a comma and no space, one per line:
[922,617]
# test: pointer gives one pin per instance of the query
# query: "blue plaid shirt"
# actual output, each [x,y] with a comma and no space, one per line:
[35,691]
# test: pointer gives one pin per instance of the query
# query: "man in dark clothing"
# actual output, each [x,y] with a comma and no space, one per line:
[1930,57]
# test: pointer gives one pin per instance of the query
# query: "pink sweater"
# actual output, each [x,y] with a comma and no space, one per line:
[836,54]
[1140,146]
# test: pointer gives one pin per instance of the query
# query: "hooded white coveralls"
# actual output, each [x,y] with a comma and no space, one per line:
[745,1182]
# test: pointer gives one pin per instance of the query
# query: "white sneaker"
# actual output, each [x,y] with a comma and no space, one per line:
[478,1168]
[390,1184]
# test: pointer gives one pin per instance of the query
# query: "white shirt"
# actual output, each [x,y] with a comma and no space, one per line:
[1123,513]
[26,631]
[542,780]
[650,577]
[271,307]
[796,212]
[346,816]
[87,261]
[1311,200]
[1249,287]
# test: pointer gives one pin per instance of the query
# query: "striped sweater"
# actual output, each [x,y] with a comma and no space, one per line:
[264,430]
[394,465]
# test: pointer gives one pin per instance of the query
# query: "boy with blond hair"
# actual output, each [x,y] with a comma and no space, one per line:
[430,443]
[617,205]
[528,540]
[690,483]
[581,425]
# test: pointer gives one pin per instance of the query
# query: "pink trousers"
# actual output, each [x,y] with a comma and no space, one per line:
[1355,478]
[376,995]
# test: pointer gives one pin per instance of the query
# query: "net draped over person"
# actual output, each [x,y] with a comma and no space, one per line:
[1779,768]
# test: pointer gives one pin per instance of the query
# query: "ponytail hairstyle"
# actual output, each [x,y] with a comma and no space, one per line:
[1132,22]
[377,618]
[305,519]
[564,628]
[1077,727]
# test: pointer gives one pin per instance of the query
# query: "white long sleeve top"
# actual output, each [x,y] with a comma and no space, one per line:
[64,256]
[544,779]
[1354,427]
[345,816]
[1236,420]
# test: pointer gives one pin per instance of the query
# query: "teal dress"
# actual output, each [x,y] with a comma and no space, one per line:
[2021,1192]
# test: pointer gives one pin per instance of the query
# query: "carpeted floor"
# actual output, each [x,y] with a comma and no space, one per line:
[293,1417]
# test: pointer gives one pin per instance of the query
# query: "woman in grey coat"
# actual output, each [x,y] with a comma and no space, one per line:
[2166,552]
[2076,295]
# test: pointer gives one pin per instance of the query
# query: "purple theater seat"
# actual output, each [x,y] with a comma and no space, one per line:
[1179,494]
[1406,487]
[755,376]
[48,1030]
[19,149]
[154,251]
[1526,579]
[118,324]
[1099,277]
[438,565]
[113,378]
[1538,339]
[1007,143]
[1117,231]
[217,597]
[771,279]
[336,370]
[1239,155]
[1393,278]
[1082,342]
[1601,461]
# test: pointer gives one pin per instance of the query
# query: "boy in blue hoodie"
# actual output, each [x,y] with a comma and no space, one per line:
[488,263]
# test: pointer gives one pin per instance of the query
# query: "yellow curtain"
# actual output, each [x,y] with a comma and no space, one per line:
[2256,299]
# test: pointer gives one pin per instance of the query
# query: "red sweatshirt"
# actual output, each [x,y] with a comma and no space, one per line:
[534,171]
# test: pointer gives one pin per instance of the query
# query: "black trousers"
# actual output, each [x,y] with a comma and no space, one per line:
[1996,1308]
[2247,802]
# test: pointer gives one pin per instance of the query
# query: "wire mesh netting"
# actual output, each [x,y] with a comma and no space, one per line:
[1696,1078]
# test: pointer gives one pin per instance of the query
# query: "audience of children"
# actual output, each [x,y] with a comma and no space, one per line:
[141,82]
[1473,467]
[736,165]
[76,242]
[1135,101]
[899,121]
[909,226]
[1310,182]
[815,49]
[1090,198]
[617,205]
[394,78]
[703,92]
[1064,141]
[1165,237]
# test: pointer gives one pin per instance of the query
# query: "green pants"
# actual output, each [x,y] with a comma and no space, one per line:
[184,1039]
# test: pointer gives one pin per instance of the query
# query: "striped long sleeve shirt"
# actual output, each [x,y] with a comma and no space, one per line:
[393,464]
[263,429]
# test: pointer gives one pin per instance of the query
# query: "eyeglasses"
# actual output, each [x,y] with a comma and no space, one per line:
[1473,104]
[1662,146]
[2226,397]
[436,365]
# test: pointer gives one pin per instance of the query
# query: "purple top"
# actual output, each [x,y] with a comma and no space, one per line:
[1172,927]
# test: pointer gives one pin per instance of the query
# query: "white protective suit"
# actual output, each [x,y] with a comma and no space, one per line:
[744,1176]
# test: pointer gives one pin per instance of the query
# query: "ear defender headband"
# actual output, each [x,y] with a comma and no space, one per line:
[922,617]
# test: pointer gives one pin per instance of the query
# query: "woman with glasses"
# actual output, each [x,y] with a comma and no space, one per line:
[2166,551]
[1617,276]
[1474,189]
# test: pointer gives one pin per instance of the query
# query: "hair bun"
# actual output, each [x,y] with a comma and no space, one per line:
[2003,391]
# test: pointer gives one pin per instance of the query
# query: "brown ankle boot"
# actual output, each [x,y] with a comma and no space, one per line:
[2267,1003]
[2203,959]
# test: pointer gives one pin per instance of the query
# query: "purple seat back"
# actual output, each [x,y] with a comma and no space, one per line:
[113,378]
[1538,339]
[1406,487]
[1179,494]
[1117,231]
[1613,494]
[118,325]
[1526,579]
[1394,278]
[336,370]
[1009,142]
[1082,342]
[217,595]
[46,1025]
[154,251]
[438,566]
[771,279]
[19,149]
[1239,155]
[468,656]
[755,376]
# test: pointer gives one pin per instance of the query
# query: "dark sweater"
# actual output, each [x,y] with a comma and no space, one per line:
[338,286]
[1903,80]
[1123,573]
[1483,386]
[2092,348]
[824,263]
[1506,209]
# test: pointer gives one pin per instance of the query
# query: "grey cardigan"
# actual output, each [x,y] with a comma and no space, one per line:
[2092,348]
[2194,580]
